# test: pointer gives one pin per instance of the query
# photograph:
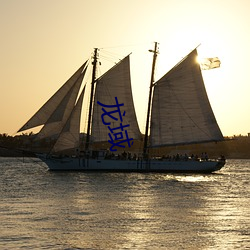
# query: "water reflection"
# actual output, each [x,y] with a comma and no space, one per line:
[42,209]
[137,211]
[194,178]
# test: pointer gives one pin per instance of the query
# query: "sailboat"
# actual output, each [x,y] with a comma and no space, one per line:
[178,113]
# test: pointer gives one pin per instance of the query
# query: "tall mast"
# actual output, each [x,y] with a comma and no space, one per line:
[145,146]
[91,99]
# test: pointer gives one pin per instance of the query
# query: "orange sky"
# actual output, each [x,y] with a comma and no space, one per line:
[44,42]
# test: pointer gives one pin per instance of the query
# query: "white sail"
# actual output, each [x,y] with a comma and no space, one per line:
[181,112]
[61,114]
[45,112]
[69,136]
[115,83]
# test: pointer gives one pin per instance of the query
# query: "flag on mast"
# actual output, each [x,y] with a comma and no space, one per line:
[210,63]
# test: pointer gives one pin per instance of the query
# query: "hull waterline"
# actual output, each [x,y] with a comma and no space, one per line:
[81,164]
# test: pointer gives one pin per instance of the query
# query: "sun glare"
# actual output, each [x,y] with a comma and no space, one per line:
[198,59]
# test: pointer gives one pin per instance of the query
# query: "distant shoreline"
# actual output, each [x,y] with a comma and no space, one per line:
[13,153]
[4,152]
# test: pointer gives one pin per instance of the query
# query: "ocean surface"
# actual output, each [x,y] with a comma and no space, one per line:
[40,209]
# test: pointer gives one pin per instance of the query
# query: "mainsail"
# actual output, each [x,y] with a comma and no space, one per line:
[115,83]
[69,136]
[181,112]
[45,113]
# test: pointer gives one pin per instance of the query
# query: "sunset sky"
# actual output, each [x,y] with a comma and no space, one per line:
[44,42]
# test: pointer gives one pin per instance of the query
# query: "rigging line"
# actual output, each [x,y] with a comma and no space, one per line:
[107,56]
[125,45]
[110,53]
[111,56]
[109,59]
[115,57]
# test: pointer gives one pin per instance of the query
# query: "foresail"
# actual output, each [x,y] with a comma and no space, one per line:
[69,136]
[181,112]
[115,83]
[45,112]
[61,114]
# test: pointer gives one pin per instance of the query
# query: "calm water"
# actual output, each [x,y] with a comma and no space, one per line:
[40,209]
